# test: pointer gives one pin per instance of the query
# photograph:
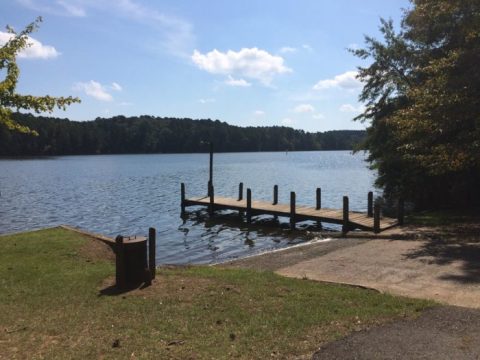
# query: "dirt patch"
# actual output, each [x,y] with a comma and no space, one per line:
[444,332]
[96,250]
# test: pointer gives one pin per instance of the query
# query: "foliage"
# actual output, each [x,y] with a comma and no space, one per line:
[147,134]
[422,92]
[9,99]
[52,307]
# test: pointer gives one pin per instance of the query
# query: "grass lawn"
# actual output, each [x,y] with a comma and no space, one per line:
[444,217]
[52,306]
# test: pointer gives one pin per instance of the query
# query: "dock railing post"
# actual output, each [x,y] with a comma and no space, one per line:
[292,210]
[346,225]
[209,186]
[249,206]
[212,201]
[401,211]
[275,194]
[370,204]
[240,191]
[119,262]
[182,195]
[318,205]
[152,241]
[376,218]
[319,199]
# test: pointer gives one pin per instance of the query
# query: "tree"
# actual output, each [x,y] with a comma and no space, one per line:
[9,99]
[422,92]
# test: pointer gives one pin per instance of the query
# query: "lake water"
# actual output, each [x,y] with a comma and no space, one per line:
[127,194]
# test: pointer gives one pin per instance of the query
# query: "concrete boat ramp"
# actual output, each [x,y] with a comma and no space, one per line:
[446,272]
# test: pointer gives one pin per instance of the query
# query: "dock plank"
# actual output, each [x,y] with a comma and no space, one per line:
[356,219]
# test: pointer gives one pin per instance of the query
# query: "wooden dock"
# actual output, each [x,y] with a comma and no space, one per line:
[372,220]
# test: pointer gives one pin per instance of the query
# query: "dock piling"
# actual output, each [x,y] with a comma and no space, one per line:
[319,199]
[240,191]
[376,218]
[370,204]
[275,195]
[211,207]
[182,202]
[346,224]
[292,210]
[318,205]
[249,206]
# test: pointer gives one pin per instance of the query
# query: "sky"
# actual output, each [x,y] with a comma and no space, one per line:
[248,63]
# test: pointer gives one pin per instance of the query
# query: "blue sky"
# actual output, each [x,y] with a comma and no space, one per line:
[260,63]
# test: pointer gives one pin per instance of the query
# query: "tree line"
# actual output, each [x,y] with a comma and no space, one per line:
[148,134]
[422,96]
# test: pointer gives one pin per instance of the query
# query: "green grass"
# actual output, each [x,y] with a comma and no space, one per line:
[444,217]
[51,307]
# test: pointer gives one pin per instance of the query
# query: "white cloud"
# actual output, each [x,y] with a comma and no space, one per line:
[351,108]
[72,9]
[304,108]
[175,35]
[288,49]
[287,121]
[115,86]
[237,82]
[347,80]
[318,116]
[58,7]
[94,89]
[36,50]
[206,101]
[251,63]
[259,113]
[307,47]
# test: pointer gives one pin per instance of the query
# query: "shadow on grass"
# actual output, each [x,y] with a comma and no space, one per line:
[113,290]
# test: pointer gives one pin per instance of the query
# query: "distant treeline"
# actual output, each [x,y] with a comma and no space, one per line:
[148,134]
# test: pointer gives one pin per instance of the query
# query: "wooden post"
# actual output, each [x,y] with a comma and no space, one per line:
[249,206]
[275,194]
[401,211]
[211,163]
[319,205]
[370,204]
[120,278]
[152,242]
[182,195]
[319,199]
[209,188]
[376,218]
[346,225]
[240,191]
[211,206]
[292,210]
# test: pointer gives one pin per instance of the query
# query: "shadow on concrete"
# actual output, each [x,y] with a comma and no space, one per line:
[454,244]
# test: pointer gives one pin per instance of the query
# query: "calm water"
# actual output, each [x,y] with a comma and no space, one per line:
[126,194]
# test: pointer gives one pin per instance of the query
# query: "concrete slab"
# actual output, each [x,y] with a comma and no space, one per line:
[445,272]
